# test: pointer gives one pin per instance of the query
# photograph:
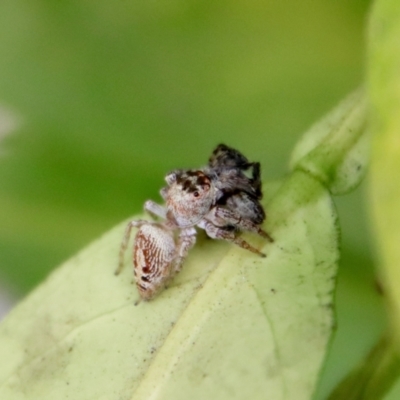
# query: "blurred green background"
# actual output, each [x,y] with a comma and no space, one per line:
[108,96]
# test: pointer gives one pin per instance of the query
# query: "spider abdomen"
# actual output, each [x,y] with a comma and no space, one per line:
[153,253]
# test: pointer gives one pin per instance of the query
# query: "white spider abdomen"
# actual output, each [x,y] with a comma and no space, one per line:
[153,253]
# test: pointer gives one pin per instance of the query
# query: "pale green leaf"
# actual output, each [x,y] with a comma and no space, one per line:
[231,326]
[384,90]
[336,149]
[373,378]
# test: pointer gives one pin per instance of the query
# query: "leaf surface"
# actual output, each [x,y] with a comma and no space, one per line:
[230,326]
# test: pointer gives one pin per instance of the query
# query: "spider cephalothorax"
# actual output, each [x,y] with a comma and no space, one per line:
[222,198]
[189,196]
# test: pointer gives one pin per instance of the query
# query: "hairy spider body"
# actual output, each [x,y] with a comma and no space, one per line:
[154,250]
[238,182]
[231,169]
[189,196]
[245,205]
[220,198]
[153,253]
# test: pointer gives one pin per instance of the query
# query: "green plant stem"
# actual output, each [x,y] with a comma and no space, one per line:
[373,378]
[335,150]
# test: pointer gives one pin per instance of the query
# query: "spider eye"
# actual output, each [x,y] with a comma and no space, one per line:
[196,194]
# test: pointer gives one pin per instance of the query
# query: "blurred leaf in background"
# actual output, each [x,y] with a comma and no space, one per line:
[112,95]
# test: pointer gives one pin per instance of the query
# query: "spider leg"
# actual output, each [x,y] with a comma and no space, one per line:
[256,179]
[163,193]
[124,244]
[155,209]
[186,240]
[216,232]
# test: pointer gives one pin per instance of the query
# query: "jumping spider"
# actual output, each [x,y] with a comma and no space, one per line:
[227,168]
[220,198]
